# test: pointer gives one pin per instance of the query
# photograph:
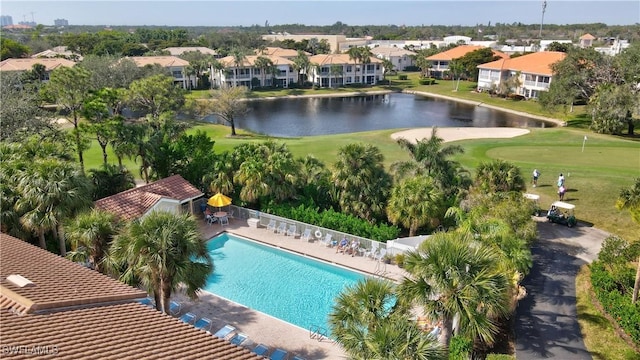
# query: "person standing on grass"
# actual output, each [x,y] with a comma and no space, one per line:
[560,180]
[536,175]
[561,191]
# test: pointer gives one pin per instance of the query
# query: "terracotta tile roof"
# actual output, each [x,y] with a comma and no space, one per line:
[59,283]
[460,51]
[26,64]
[587,37]
[534,63]
[111,327]
[250,60]
[164,61]
[133,203]
[179,50]
[328,59]
[391,51]
[277,51]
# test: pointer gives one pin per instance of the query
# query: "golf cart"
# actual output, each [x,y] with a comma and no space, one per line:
[536,207]
[562,213]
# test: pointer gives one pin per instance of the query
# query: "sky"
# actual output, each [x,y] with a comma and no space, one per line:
[321,12]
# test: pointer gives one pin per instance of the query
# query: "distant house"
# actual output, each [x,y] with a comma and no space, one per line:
[177,51]
[440,62]
[58,52]
[51,307]
[399,57]
[173,194]
[21,65]
[351,72]
[586,40]
[176,66]
[280,52]
[533,71]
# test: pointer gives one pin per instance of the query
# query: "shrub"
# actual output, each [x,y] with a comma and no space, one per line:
[427,81]
[411,68]
[403,77]
[614,293]
[384,82]
[337,221]
[460,348]
[500,357]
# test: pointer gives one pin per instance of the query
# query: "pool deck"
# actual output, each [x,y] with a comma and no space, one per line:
[265,329]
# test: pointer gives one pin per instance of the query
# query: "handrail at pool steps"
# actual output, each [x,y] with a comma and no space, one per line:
[265,218]
[318,332]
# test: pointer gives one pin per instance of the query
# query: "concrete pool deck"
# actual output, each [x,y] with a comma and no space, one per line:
[260,327]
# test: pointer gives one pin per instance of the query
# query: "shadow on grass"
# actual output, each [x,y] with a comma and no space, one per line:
[581,121]
[595,319]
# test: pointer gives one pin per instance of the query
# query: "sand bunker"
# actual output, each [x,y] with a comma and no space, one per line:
[460,133]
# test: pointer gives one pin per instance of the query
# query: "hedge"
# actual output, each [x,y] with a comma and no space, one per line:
[337,221]
[615,298]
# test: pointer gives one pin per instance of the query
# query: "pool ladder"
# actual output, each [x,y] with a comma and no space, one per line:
[317,332]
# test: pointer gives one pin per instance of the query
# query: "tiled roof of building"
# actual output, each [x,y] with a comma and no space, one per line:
[57,282]
[277,51]
[250,60]
[534,63]
[179,50]
[112,327]
[328,59]
[164,61]
[460,51]
[27,64]
[133,203]
[391,51]
[587,37]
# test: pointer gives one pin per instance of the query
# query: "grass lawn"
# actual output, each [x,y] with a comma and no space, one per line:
[598,333]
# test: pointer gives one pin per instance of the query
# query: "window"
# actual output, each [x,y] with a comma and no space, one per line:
[256,71]
[544,79]
[349,68]
[177,73]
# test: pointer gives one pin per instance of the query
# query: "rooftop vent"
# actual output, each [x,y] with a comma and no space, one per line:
[20,281]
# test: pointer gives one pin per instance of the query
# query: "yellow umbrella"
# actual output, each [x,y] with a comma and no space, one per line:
[219,200]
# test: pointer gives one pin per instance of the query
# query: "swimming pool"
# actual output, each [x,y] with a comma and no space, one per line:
[290,287]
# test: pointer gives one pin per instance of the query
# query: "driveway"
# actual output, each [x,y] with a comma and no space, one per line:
[546,319]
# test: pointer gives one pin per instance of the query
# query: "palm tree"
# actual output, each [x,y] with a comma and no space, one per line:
[457,69]
[387,66]
[499,176]
[415,202]
[452,276]
[369,323]
[263,63]
[629,198]
[161,252]
[238,60]
[301,63]
[334,71]
[360,181]
[50,191]
[364,55]
[90,235]
[354,54]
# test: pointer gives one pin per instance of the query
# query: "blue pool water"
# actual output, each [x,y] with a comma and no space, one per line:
[287,286]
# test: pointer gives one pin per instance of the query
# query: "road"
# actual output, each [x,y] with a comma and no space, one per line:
[546,319]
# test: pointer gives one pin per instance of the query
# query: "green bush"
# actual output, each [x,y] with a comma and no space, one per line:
[500,357]
[337,221]
[460,348]
[614,293]
[427,81]
[403,77]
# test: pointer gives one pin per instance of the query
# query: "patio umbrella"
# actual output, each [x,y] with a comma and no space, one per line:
[219,200]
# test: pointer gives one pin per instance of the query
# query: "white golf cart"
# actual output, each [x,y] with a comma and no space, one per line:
[562,213]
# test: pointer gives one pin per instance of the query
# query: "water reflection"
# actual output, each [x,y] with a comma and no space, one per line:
[320,116]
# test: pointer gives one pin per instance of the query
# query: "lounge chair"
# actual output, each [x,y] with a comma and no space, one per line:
[238,339]
[204,324]
[174,308]
[278,354]
[224,221]
[272,225]
[210,219]
[224,331]
[188,318]
[370,253]
[260,349]
[292,231]
[327,240]
[282,228]
[380,255]
[306,235]
[148,301]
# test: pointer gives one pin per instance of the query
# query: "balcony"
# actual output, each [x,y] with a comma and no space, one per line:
[536,84]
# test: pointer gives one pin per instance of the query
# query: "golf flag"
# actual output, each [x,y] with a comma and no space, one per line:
[585,138]
[583,141]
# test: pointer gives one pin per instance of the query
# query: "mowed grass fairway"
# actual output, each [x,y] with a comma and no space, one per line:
[593,177]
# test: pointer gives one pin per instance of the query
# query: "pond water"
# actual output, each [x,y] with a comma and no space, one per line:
[322,116]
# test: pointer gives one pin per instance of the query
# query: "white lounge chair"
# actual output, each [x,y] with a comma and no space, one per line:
[306,235]
[282,228]
[272,225]
[327,240]
[380,255]
[225,332]
[292,231]
[370,253]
